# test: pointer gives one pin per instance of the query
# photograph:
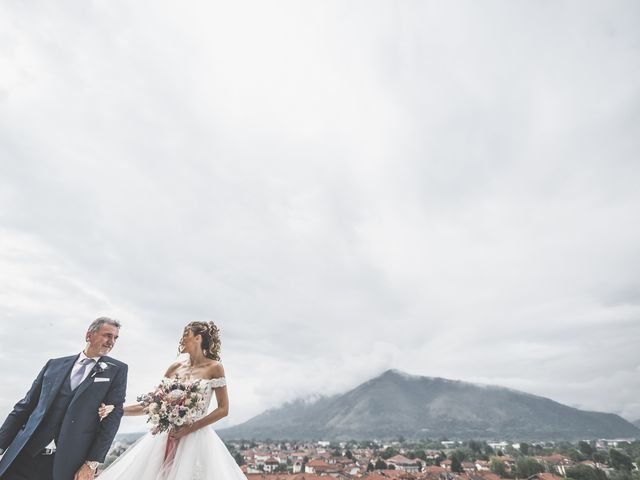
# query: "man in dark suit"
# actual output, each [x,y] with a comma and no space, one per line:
[54,432]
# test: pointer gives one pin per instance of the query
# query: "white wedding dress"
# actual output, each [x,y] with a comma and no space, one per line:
[201,455]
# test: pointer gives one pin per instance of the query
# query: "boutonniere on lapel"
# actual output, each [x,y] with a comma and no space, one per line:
[99,368]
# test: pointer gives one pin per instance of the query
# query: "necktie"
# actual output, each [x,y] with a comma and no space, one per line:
[77,377]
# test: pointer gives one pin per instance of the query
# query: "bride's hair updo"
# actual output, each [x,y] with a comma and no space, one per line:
[210,338]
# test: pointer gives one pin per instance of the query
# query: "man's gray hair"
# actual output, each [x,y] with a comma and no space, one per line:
[98,322]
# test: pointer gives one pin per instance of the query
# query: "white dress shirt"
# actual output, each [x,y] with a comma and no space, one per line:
[77,366]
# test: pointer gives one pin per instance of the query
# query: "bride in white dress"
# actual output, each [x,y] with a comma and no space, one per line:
[194,452]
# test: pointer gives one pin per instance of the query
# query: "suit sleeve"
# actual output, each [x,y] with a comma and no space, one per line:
[21,411]
[109,426]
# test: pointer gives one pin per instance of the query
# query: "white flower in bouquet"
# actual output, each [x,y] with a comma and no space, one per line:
[173,404]
[176,394]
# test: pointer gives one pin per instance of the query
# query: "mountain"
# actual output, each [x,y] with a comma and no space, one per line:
[396,403]
[637,423]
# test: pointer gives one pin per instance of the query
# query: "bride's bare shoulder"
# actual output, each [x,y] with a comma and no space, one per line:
[215,370]
[173,368]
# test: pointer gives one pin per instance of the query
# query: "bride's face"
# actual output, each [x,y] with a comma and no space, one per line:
[189,342]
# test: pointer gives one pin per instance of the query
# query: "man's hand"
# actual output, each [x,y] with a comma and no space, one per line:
[85,473]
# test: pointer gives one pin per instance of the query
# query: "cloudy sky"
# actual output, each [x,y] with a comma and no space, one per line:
[445,188]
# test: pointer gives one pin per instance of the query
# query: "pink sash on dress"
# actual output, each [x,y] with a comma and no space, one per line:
[169,455]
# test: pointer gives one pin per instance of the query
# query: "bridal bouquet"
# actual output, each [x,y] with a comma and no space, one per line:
[173,404]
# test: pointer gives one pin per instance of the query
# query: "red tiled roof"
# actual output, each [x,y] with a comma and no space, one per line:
[435,468]
[285,476]
[402,460]
[396,474]
[555,458]
[548,476]
[489,476]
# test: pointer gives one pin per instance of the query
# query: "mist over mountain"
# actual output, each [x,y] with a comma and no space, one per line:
[396,403]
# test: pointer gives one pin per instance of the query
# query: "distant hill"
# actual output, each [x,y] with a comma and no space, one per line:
[396,403]
[637,423]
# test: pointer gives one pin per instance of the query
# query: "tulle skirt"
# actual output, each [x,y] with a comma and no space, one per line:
[200,455]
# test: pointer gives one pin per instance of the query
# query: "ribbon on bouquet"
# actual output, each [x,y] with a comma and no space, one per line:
[169,455]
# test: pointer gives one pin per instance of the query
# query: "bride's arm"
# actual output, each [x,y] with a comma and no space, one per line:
[221,411]
[128,410]
[133,410]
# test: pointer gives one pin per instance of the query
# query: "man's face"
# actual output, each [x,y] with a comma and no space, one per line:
[101,342]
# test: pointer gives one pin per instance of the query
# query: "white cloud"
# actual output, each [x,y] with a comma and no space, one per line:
[345,188]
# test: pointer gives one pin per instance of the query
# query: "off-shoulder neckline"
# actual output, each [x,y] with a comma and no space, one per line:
[182,379]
